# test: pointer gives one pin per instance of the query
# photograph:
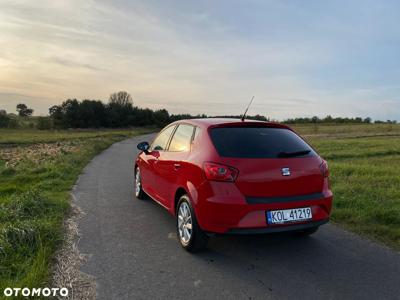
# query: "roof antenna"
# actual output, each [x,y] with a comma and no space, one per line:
[244,115]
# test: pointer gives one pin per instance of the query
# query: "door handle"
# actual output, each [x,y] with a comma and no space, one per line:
[177,166]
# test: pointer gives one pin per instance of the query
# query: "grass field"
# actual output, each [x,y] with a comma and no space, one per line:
[38,168]
[364,162]
[37,171]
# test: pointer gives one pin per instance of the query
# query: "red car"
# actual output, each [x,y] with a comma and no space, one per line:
[234,177]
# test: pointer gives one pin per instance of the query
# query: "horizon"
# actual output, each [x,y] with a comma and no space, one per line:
[239,116]
[299,60]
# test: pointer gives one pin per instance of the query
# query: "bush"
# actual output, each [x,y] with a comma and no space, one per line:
[13,123]
[4,120]
[44,123]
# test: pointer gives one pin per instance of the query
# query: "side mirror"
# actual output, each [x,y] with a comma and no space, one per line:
[143,146]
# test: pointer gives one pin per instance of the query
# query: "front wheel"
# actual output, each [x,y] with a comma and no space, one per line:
[190,235]
[139,193]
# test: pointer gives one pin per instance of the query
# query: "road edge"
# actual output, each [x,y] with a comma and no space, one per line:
[65,271]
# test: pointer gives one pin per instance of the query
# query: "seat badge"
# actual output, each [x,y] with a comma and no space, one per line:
[285,172]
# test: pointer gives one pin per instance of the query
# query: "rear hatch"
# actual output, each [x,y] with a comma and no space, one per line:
[272,162]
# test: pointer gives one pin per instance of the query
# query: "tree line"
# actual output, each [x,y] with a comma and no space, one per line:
[120,112]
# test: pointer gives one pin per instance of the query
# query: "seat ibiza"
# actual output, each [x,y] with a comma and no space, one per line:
[234,177]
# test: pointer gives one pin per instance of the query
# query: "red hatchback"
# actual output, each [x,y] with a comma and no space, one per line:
[234,177]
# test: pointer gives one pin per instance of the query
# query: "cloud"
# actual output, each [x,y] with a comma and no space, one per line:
[204,56]
[73,64]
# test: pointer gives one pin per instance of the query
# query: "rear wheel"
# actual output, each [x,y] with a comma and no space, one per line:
[139,193]
[308,231]
[190,235]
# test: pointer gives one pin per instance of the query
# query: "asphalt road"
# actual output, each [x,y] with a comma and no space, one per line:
[135,254]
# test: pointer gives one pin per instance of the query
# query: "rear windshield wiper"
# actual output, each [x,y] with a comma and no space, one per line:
[293,154]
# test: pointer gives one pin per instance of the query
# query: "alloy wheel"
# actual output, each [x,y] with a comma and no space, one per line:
[185,225]
[138,184]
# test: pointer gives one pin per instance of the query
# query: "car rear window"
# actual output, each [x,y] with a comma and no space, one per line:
[259,142]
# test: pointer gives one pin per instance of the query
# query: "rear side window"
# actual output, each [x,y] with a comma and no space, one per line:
[160,143]
[259,142]
[182,138]
[196,133]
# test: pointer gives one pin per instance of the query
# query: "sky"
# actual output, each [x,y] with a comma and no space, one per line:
[298,58]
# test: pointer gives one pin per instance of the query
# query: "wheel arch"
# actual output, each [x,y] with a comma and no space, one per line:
[178,194]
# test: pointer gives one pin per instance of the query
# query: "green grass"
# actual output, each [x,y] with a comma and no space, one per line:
[365,178]
[32,136]
[35,180]
[351,130]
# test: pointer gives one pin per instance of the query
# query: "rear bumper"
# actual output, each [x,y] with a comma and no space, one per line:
[220,208]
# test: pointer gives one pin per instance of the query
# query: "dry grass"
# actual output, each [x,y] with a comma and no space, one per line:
[68,261]
[36,153]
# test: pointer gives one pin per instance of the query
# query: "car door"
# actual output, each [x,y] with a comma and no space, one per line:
[150,161]
[170,165]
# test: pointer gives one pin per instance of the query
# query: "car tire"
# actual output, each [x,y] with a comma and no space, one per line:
[139,193]
[190,235]
[308,231]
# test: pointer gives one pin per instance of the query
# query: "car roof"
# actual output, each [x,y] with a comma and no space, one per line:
[222,122]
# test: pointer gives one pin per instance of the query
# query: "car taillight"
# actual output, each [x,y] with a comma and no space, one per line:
[324,169]
[220,172]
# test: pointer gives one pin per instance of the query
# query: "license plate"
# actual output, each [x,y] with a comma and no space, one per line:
[289,215]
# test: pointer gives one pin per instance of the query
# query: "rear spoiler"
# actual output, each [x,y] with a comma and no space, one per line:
[250,124]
